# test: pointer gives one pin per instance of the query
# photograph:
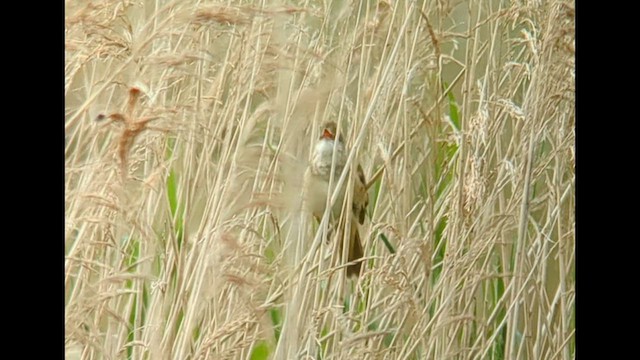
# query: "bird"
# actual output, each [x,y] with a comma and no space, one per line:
[316,191]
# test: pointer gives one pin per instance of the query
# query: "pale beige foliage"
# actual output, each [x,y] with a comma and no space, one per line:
[188,129]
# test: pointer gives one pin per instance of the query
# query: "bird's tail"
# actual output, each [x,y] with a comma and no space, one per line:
[355,252]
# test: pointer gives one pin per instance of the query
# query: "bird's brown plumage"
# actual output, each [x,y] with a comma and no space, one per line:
[317,179]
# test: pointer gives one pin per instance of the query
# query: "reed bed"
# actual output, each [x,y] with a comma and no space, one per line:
[189,126]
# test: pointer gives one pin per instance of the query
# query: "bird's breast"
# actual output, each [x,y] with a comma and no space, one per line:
[316,193]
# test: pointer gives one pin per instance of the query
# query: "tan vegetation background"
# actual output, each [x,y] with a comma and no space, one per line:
[188,128]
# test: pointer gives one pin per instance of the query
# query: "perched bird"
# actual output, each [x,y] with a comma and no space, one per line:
[316,182]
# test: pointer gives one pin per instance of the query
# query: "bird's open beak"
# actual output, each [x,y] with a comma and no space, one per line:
[326,134]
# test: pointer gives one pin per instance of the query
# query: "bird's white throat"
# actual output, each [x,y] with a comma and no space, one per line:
[323,154]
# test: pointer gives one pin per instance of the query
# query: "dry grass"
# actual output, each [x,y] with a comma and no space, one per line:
[189,125]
